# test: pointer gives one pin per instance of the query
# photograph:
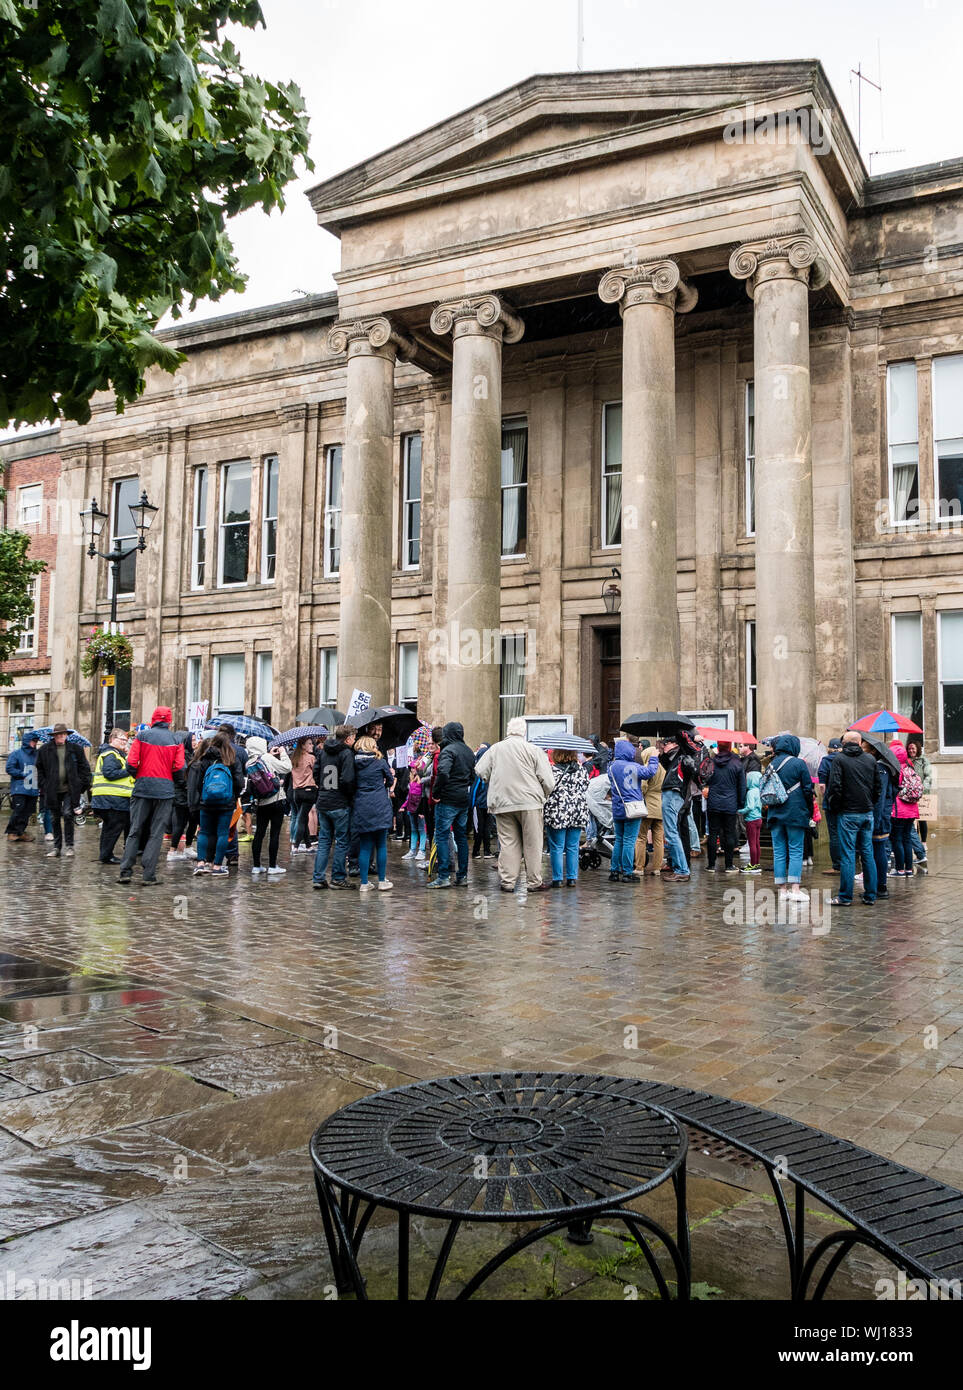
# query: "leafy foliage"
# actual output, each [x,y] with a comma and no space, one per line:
[129,134]
[16,597]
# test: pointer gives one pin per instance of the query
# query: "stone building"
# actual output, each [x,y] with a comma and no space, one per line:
[30,477]
[660,323]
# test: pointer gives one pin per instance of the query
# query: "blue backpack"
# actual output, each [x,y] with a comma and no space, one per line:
[217,788]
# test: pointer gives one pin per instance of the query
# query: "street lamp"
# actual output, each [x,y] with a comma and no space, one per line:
[611,593]
[93,521]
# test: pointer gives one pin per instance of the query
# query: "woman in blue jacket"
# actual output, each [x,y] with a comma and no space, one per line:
[24,789]
[789,822]
[372,811]
[625,778]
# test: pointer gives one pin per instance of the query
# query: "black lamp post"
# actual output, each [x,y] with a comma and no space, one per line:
[611,593]
[94,521]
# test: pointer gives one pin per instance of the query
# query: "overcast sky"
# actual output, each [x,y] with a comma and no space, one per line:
[374,72]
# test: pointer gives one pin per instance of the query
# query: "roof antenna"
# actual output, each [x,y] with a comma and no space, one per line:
[580,35]
[861,76]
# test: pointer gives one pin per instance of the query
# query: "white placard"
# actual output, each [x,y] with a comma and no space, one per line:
[197,716]
[360,702]
[402,756]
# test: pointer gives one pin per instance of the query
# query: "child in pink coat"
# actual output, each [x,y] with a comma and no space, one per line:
[904,815]
[418,850]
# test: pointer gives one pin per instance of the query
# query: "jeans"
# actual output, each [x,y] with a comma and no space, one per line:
[671,806]
[753,838]
[900,831]
[623,852]
[419,833]
[374,842]
[787,851]
[455,819]
[563,851]
[214,833]
[267,817]
[150,820]
[832,824]
[23,807]
[919,849]
[303,801]
[62,812]
[855,832]
[334,827]
[722,825]
[881,849]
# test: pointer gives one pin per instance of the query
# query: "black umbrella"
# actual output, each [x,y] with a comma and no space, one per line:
[323,714]
[660,723]
[881,753]
[397,722]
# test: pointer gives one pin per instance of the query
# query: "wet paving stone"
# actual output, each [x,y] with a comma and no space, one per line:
[58,1184]
[43,1011]
[260,1069]
[126,1252]
[52,1070]
[44,1121]
[10,1088]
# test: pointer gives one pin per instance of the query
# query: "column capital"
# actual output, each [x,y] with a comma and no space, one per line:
[649,282]
[369,337]
[794,256]
[487,313]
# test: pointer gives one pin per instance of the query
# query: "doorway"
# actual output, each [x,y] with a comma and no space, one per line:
[610,658]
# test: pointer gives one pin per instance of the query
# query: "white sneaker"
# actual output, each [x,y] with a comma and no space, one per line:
[175,854]
[255,872]
[68,854]
[365,887]
[190,853]
[421,857]
[408,856]
[49,837]
[386,886]
[798,895]
[275,872]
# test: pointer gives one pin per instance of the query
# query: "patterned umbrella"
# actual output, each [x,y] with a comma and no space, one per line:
[570,742]
[884,721]
[304,731]
[46,734]
[420,741]
[246,725]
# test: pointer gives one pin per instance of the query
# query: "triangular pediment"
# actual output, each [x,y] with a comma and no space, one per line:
[553,119]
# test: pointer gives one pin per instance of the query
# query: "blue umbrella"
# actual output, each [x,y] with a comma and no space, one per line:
[46,734]
[570,742]
[246,725]
[305,731]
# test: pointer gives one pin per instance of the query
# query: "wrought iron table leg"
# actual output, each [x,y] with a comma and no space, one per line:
[347,1275]
[580,1233]
[404,1245]
[682,1228]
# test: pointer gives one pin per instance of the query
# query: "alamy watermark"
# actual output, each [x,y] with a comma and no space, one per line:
[807,125]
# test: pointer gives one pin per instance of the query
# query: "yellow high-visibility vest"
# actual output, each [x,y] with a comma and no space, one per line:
[102,786]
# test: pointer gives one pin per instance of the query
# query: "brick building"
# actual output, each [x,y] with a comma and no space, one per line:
[31,476]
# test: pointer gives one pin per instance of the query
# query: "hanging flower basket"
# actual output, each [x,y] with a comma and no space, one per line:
[110,649]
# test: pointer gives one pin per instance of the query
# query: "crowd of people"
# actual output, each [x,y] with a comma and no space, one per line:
[655,806]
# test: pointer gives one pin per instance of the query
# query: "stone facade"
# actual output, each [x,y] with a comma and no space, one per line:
[573,253]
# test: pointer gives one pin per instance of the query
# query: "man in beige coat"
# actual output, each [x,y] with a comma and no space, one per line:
[519,778]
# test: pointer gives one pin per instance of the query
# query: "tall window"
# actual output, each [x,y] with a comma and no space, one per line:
[27,642]
[269,519]
[265,686]
[122,699]
[408,673]
[902,428]
[193,680]
[229,684]
[235,522]
[332,511]
[612,473]
[951,682]
[512,686]
[948,434]
[29,504]
[125,494]
[411,503]
[199,538]
[21,712]
[908,665]
[329,676]
[750,461]
[751,676]
[514,486]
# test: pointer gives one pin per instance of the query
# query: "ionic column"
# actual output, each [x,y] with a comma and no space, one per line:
[478,326]
[778,280]
[364,643]
[649,296]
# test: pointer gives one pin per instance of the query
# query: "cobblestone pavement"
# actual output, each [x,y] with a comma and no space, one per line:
[165,1052]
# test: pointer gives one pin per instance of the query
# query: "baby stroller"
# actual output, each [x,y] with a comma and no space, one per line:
[592,853]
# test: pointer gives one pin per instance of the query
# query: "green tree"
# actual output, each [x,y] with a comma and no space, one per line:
[129,134]
[16,594]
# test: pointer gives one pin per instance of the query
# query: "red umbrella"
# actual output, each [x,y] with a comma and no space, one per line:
[712,735]
[884,721]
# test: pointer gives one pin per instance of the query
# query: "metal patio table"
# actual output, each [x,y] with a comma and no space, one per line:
[556,1149]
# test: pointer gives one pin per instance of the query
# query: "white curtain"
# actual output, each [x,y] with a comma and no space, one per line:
[904,478]
[514,475]
[512,679]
